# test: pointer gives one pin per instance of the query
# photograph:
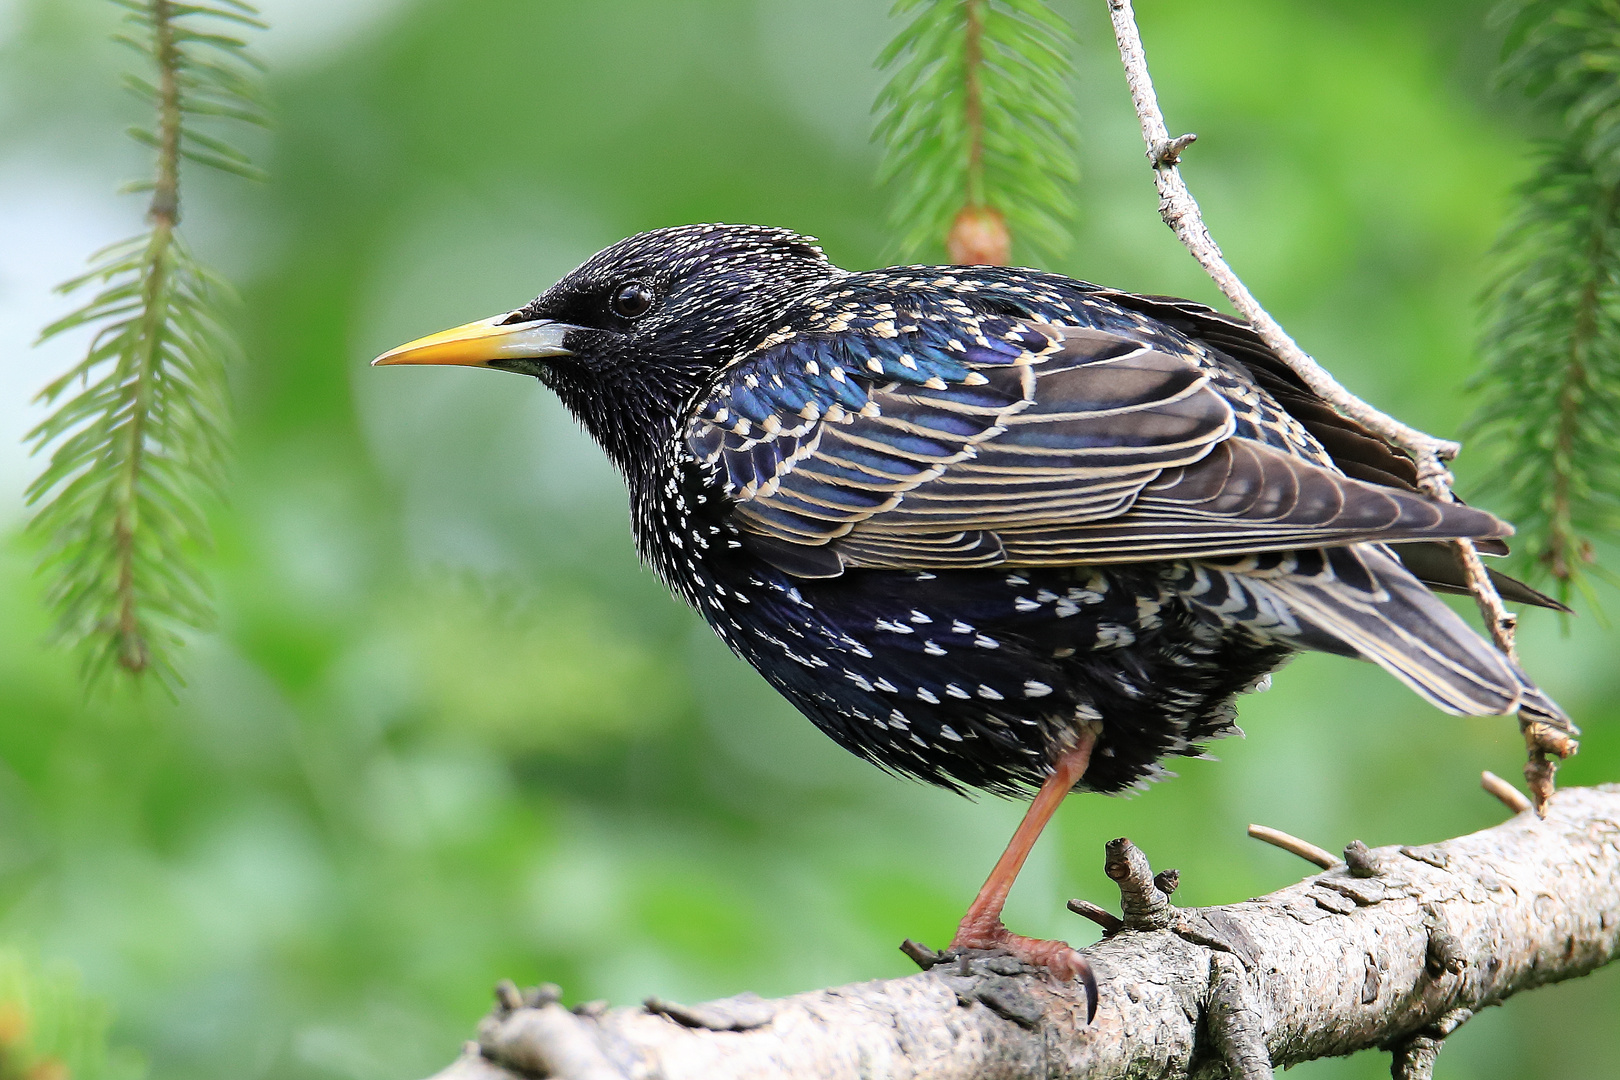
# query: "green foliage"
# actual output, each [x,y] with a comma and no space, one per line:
[49,1030]
[138,432]
[201,74]
[1551,384]
[372,801]
[979,111]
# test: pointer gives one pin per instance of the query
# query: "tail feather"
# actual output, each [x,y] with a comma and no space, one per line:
[1361,600]
[1438,566]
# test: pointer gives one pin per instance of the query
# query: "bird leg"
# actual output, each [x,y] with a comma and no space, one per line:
[981,927]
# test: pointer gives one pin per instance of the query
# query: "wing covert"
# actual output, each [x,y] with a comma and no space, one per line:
[927,440]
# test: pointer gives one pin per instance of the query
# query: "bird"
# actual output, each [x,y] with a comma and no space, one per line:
[995,528]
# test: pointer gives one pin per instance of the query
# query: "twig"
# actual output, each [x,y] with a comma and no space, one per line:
[1415,1055]
[1110,923]
[973,99]
[134,649]
[979,233]
[1498,619]
[1180,212]
[1303,848]
[1510,796]
[922,955]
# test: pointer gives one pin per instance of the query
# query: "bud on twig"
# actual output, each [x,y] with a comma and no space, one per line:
[979,237]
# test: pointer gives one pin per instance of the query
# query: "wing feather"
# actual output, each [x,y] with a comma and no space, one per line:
[913,443]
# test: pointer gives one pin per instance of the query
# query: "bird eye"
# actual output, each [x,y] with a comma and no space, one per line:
[632,300]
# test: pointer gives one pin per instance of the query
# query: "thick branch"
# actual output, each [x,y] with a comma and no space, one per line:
[1392,955]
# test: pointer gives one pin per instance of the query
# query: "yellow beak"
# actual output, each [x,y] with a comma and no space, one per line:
[485,343]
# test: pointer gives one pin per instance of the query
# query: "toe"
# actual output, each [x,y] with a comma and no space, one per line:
[1058,957]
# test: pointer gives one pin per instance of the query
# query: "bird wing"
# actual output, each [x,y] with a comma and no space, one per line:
[944,438]
[1355,451]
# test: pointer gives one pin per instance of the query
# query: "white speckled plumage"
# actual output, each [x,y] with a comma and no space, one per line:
[957,513]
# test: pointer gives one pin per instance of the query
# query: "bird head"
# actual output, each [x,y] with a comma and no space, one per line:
[628,338]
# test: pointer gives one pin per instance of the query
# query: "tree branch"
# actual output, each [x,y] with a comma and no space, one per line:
[1393,950]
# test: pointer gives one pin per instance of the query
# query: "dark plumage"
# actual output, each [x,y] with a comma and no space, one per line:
[970,518]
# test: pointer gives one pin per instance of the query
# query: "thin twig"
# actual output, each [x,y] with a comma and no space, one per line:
[920,954]
[1303,848]
[1180,212]
[1414,1057]
[1510,796]
[1498,619]
[145,360]
[1104,918]
[1235,1023]
[972,99]
[978,234]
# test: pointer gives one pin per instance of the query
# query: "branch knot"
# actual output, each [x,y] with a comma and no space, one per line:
[1144,905]
[1166,153]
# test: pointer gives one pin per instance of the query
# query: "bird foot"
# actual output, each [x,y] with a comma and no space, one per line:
[1058,957]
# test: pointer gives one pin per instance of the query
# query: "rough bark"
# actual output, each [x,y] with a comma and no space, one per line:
[1393,949]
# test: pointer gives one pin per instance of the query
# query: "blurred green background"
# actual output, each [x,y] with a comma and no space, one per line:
[449,731]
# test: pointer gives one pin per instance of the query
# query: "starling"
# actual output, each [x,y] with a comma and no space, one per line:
[994,528]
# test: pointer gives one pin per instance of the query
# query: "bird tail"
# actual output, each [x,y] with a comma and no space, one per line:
[1361,601]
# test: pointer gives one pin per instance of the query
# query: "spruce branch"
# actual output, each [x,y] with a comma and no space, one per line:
[1550,385]
[138,428]
[978,127]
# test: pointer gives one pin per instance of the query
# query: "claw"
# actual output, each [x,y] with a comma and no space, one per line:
[1058,957]
[1066,965]
[1092,993]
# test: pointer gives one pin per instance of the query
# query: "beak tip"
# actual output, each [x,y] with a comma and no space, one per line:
[483,344]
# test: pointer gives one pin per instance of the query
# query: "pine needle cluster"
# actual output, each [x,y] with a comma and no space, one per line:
[138,430]
[1551,383]
[978,123]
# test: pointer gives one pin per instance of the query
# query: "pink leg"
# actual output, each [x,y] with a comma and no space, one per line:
[981,927]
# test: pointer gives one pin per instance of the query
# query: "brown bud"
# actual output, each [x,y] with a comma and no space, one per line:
[979,237]
[13,1024]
